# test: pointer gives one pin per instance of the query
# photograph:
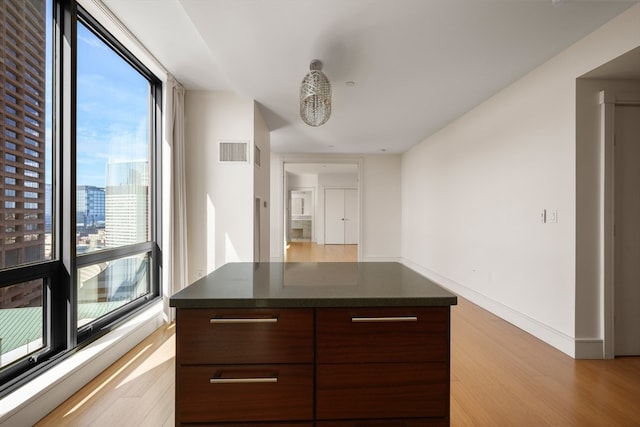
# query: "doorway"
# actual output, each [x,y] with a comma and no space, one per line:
[300,225]
[621,255]
[304,221]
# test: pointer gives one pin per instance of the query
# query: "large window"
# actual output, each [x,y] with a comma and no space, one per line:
[78,251]
[113,182]
[25,183]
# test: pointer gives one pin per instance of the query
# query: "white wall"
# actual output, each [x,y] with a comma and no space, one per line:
[303,181]
[380,201]
[262,174]
[219,195]
[472,194]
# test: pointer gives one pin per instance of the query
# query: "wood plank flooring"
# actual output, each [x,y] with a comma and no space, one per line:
[500,376]
[138,390]
[312,252]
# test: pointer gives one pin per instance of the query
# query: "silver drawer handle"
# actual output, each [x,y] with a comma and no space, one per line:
[243,380]
[244,320]
[384,319]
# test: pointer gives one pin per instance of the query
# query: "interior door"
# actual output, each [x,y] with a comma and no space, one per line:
[627,231]
[341,216]
[334,216]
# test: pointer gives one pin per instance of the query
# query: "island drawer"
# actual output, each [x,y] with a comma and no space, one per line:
[236,336]
[423,422]
[240,393]
[389,334]
[382,390]
[277,424]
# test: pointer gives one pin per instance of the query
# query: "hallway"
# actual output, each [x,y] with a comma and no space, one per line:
[312,252]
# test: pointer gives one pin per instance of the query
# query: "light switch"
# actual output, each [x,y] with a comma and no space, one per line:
[553,217]
[543,216]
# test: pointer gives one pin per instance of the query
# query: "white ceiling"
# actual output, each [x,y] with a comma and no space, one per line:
[417,64]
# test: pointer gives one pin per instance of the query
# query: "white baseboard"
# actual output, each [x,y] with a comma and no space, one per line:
[34,400]
[589,348]
[551,336]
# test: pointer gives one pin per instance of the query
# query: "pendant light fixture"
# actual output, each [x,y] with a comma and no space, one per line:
[315,96]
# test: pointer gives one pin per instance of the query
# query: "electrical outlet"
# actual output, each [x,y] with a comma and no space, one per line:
[553,217]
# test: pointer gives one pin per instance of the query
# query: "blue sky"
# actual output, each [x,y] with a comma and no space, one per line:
[112,115]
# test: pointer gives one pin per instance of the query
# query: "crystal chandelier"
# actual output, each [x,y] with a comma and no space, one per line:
[315,96]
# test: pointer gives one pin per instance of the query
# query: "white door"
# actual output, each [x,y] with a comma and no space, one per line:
[334,216]
[627,231]
[341,216]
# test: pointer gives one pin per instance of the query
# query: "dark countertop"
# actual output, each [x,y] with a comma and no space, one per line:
[327,284]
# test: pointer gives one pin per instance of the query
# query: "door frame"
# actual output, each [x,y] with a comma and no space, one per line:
[287,211]
[314,159]
[609,100]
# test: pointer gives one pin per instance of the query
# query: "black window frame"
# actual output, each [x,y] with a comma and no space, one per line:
[61,336]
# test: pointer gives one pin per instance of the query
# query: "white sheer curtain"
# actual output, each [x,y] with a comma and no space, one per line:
[178,278]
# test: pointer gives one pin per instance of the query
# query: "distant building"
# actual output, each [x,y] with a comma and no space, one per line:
[48,208]
[90,207]
[127,203]
[22,143]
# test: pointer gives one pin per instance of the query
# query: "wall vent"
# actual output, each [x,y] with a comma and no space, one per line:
[233,152]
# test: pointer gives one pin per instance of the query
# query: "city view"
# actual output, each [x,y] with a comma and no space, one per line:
[112,173]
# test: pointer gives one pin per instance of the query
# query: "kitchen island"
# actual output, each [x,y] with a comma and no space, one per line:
[313,344]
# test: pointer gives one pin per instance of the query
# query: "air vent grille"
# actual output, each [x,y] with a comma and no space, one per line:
[234,152]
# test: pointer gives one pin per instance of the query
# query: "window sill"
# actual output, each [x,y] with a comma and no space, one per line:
[31,402]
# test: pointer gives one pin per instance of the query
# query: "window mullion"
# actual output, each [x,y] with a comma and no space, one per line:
[66,172]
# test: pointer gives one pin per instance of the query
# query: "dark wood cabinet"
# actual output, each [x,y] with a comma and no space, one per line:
[244,366]
[422,422]
[382,364]
[238,336]
[313,344]
[332,367]
[397,334]
[240,393]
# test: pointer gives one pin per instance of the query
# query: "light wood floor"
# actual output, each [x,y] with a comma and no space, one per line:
[312,252]
[500,376]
